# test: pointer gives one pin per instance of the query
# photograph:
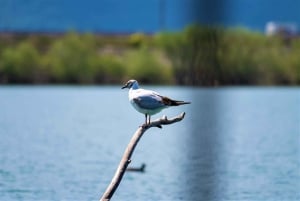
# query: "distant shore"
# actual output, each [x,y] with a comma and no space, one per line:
[199,55]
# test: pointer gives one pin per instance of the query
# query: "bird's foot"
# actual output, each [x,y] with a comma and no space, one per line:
[147,125]
[144,125]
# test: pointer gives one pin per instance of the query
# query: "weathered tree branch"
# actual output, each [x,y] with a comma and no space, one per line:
[126,159]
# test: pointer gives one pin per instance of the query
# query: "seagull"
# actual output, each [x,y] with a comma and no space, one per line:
[148,102]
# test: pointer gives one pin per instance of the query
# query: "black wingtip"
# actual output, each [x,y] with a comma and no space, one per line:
[176,103]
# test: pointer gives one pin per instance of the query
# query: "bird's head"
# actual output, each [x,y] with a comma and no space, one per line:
[131,84]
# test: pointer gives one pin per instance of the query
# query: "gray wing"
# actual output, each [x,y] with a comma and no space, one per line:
[150,101]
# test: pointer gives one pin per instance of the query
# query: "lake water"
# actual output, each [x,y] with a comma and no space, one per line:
[64,143]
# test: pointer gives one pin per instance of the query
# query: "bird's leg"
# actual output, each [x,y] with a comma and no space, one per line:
[146,119]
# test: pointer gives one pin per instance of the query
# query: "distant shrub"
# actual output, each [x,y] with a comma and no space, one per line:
[110,69]
[193,53]
[253,58]
[20,64]
[72,59]
[203,55]
[145,66]
[137,40]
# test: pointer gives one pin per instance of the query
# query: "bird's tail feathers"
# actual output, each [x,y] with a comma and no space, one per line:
[176,103]
[170,102]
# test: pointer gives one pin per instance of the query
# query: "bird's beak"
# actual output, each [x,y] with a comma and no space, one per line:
[125,86]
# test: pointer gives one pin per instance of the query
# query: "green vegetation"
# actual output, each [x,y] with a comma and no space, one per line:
[198,55]
[217,56]
[146,66]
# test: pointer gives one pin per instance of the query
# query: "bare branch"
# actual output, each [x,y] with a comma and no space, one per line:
[165,121]
[126,159]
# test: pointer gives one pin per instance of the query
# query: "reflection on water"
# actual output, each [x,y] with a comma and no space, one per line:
[64,143]
[244,145]
[202,154]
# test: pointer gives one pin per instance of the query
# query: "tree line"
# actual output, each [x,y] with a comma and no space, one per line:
[197,55]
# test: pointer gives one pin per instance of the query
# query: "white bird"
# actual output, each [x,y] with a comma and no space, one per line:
[148,102]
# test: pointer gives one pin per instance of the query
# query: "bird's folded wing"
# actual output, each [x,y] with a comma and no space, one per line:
[150,101]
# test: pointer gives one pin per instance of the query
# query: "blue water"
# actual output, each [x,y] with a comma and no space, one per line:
[64,143]
[115,16]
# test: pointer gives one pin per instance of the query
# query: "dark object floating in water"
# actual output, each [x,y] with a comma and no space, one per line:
[137,169]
